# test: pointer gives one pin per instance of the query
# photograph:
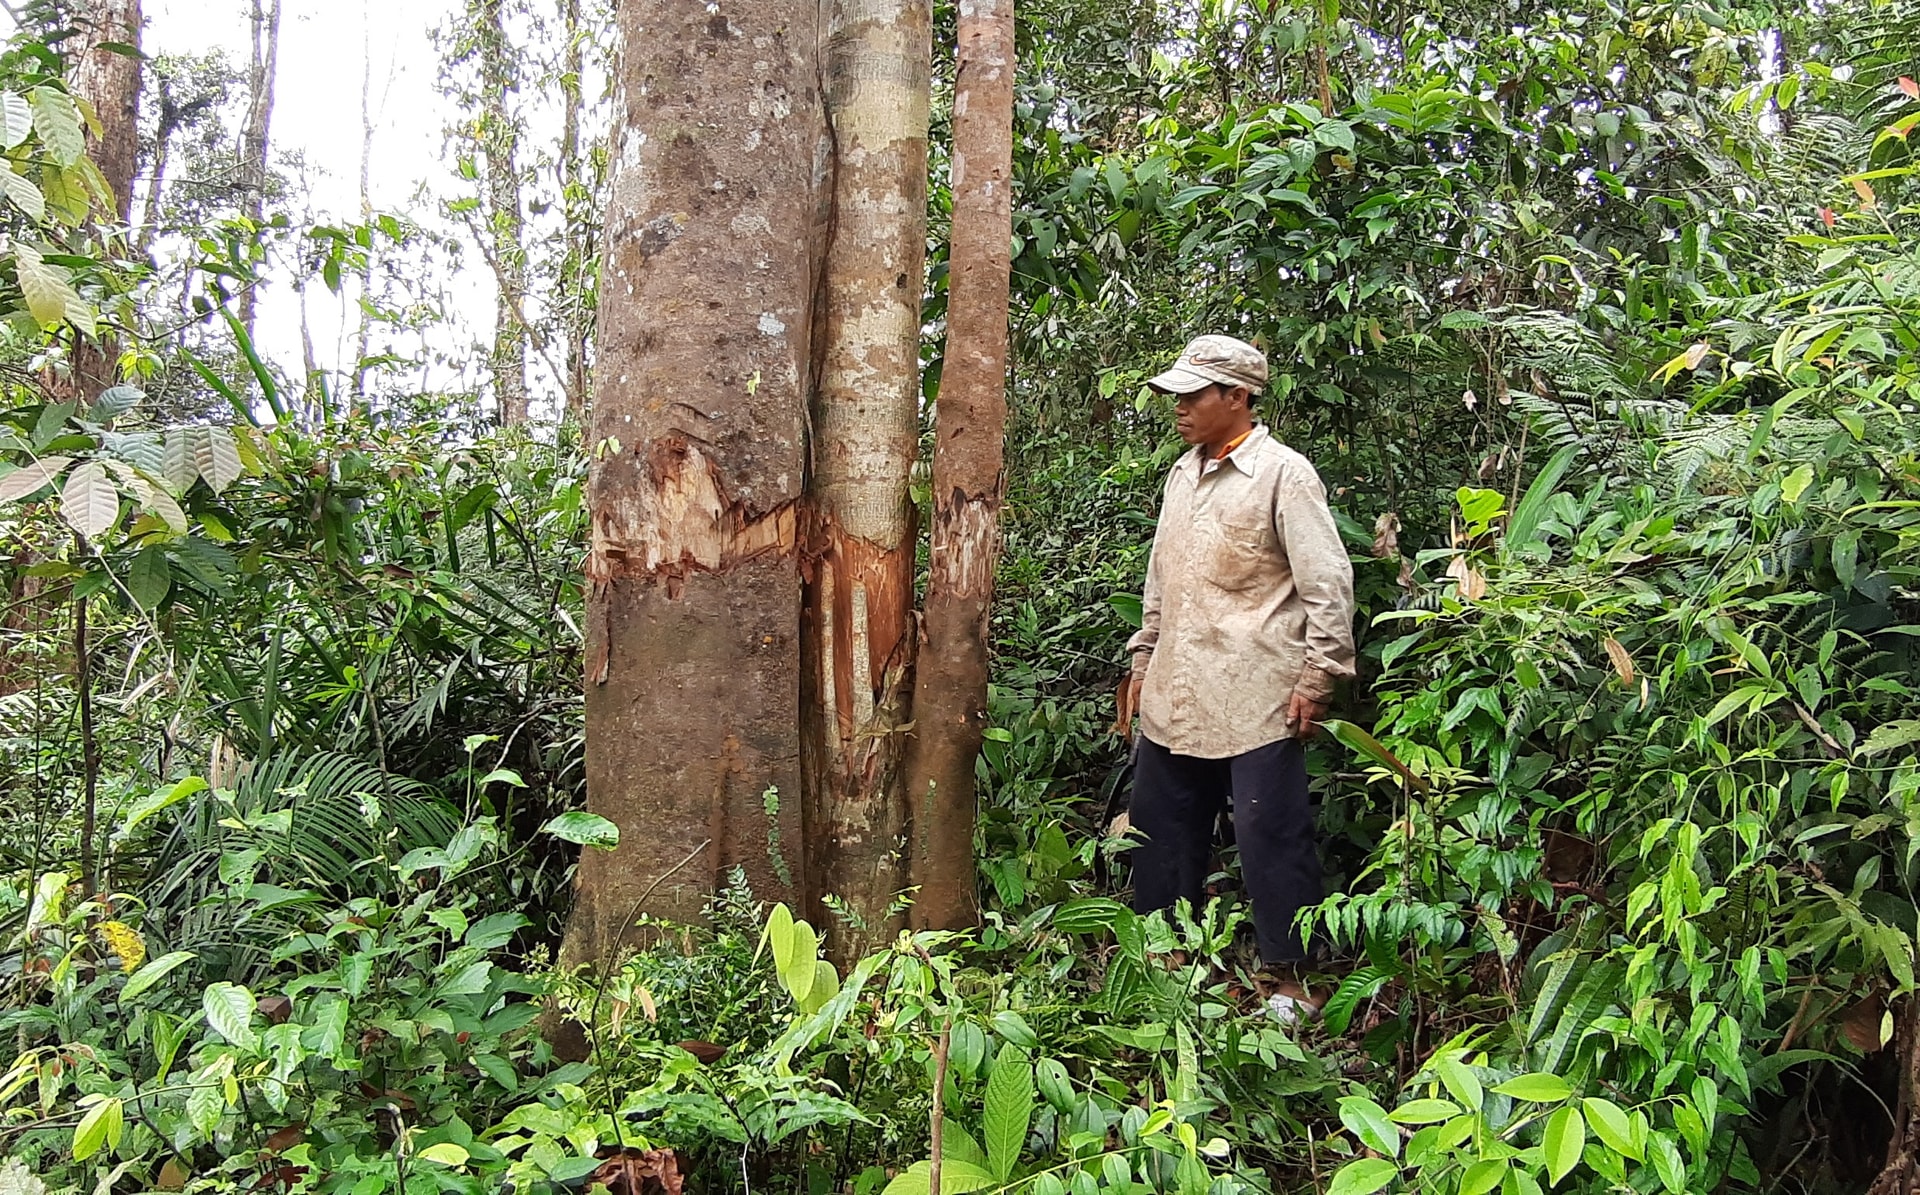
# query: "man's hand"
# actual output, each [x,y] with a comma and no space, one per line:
[1128,699]
[1304,714]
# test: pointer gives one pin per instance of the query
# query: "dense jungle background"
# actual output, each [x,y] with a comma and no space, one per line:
[1600,321]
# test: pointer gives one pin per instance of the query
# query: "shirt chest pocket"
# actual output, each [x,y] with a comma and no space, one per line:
[1239,550]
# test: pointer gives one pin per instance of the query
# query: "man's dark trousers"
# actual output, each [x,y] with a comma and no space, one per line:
[1177,799]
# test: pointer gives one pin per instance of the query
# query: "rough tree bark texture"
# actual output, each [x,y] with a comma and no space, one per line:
[262,68]
[109,81]
[698,437]
[950,692]
[857,637]
[499,143]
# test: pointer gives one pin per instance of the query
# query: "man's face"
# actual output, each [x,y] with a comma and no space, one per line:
[1209,415]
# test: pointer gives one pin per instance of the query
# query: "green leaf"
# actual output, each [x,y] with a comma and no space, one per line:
[1482,1177]
[587,829]
[1524,524]
[446,1153]
[1536,1088]
[58,122]
[16,119]
[1355,739]
[1055,1084]
[1460,1080]
[229,1009]
[1008,1111]
[149,579]
[50,296]
[89,501]
[1013,1027]
[958,1144]
[1611,1125]
[1565,1137]
[800,973]
[956,1178]
[1424,1112]
[1667,1163]
[1369,1122]
[1890,736]
[779,935]
[24,194]
[499,1070]
[32,476]
[102,1125]
[1363,1177]
[153,972]
[491,933]
[1796,483]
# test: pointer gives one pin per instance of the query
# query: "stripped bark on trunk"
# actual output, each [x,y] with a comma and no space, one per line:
[264,65]
[950,693]
[857,637]
[698,443]
[506,222]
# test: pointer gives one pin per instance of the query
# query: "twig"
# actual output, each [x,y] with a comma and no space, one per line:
[939,1098]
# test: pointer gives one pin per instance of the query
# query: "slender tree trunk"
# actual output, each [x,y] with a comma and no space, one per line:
[575,208]
[950,692]
[499,142]
[109,80]
[89,751]
[699,459]
[857,637]
[262,69]
[363,335]
[156,181]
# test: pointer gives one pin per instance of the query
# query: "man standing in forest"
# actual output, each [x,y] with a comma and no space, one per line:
[1247,622]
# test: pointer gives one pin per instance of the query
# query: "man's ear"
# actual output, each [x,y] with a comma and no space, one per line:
[1246,396]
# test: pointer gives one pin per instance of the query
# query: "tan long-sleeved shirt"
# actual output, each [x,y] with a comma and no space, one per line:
[1249,599]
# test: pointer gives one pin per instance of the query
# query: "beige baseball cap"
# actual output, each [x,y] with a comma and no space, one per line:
[1210,359]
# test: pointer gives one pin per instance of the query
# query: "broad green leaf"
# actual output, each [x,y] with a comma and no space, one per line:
[1055,1084]
[58,122]
[149,579]
[491,933]
[779,935]
[958,1144]
[446,1153]
[1460,1080]
[153,972]
[801,973]
[1667,1164]
[24,193]
[16,119]
[1363,1177]
[50,296]
[499,1070]
[1014,1027]
[1524,524]
[1356,739]
[1008,1111]
[229,1009]
[956,1178]
[1424,1112]
[217,458]
[1796,483]
[587,829]
[1482,1177]
[1888,736]
[1611,1126]
[1536,1088]
[102,1125]
[32,476]
[1565,1137]
[89,501]
[1369,1122]
[826,985]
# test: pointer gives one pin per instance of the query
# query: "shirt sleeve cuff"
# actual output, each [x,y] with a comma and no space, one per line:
[1315,683]
[1142,656]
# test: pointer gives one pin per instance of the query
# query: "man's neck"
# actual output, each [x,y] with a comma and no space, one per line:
[1230,441]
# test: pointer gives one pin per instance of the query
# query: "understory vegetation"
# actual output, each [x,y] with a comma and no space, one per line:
[1602,325]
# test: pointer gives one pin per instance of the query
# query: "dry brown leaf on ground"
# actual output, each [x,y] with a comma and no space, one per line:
[638,1172]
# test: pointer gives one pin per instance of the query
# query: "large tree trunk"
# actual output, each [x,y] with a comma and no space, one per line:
[858,632]
[109,80]
[698,439]
[261,71]
[499,143]
[950,692]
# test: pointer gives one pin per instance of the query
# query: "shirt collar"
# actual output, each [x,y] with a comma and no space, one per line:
[1243,458]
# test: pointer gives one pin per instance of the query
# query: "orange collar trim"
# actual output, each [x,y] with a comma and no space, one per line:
[1236,442]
